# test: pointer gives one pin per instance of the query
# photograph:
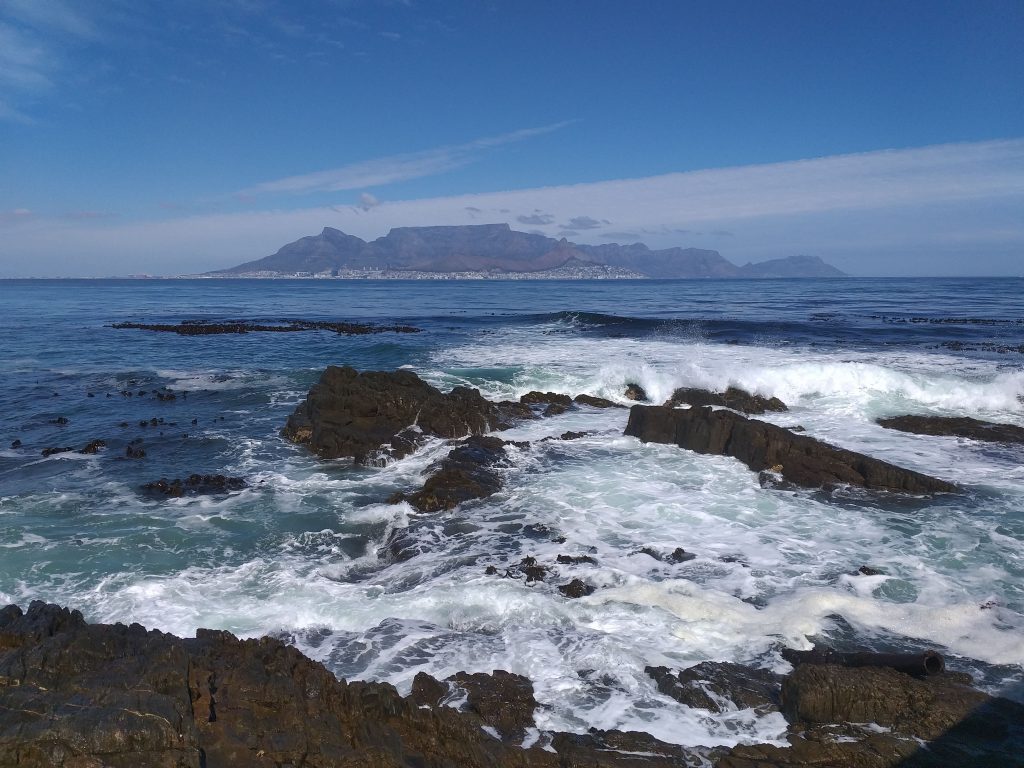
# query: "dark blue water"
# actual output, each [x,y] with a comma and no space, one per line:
[300,552]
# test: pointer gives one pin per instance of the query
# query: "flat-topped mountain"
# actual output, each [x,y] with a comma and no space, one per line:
[498,249]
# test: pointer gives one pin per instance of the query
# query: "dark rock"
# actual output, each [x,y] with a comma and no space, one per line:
[734,397]
[678,555]
[358,415]
[16,444]
[166,397]
[135,452]
[924,708]
[469,471]
[576,588]
[52,451]
[866,570]
[94,446]
[529,569]
[502,700]
[564,436]
[545,398]
[620,749]
[78,696]
[207,327]
[761,446]
[596,402]
[636,392]
[194,485]
[555,409]
[956,427]
[61,420]
[709,685]
[577,560]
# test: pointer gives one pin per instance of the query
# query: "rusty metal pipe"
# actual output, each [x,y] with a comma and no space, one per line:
[917,664]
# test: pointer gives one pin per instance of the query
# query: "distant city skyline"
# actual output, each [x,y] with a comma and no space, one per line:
[140,137]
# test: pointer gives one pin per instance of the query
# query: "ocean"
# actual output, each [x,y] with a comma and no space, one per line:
[301,553]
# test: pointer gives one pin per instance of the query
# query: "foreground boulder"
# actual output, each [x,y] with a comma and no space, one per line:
[734,397]
[956,426]
[503,700]
[376,415]
[762,446]
[74,695]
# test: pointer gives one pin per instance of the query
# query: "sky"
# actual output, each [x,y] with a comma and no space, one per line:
[173,137]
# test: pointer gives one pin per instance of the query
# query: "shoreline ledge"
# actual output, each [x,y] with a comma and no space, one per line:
[79,695]
[773,450]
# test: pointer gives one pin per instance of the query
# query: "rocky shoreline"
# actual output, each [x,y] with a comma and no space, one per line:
[79,695]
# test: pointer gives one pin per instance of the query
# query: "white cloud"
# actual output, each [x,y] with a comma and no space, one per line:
[388,170]
[948,209]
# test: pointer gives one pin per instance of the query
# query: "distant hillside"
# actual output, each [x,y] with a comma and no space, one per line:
[794,266]
[496,248]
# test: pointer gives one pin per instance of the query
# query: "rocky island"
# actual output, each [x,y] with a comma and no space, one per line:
[496,251]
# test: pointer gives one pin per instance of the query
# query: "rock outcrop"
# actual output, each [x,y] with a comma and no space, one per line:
[75,695]
[734,397]
[799,459]
[469,471]
[375,415]
[956,426]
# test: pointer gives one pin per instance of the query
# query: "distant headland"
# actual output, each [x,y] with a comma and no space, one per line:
[496,251]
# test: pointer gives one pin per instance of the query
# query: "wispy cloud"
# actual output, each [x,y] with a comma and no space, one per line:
[396,168]
[948,209]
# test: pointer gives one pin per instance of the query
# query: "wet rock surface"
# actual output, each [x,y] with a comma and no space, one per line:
[211,327]
[958,426]
[596,402]
[636,392]
[502,700]
[798,459]
[469,471]
[734,397]
[719,686]
[194,485]
[367,416]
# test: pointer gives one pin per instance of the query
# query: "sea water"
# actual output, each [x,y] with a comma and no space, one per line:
[301,553]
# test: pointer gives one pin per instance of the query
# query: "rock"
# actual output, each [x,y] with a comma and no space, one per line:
[576,588]
[577,560]
[717,685]
[207,327]
[564,436]
[135,452]
[636,392]
[956,427]
[799,459]
[621,749]
[734,397]
[16,444]
[918,664]
[194,485]
[528,568]
[94,446]
[468,472]
[61,421]
[596,402]
[678,555]
[923,708]
[545,398]
[555,409]
[52,451]
[79,696]
[359,415]
[502,700]
[867,570]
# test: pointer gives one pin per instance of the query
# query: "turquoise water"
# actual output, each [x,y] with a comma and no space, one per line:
[300,553]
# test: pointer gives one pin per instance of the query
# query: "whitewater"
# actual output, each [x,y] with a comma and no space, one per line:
[306,552]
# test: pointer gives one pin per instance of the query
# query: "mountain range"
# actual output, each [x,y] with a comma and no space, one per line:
[497,249]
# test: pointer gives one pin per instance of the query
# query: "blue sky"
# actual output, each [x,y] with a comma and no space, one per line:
[169,137]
